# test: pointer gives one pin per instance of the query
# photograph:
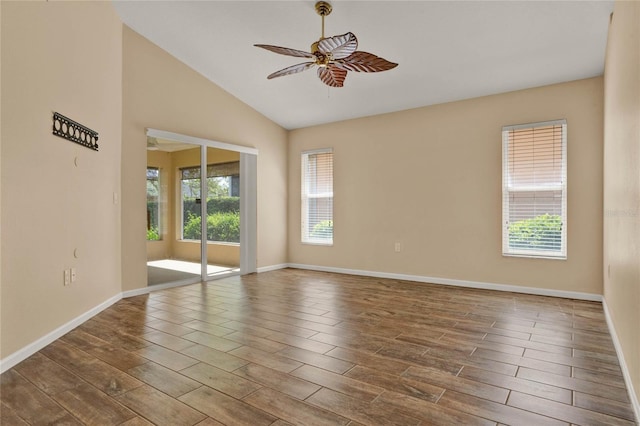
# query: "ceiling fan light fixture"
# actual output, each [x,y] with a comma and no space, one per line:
[334,56]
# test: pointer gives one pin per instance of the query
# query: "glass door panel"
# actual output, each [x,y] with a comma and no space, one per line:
[223,212]
[174,249]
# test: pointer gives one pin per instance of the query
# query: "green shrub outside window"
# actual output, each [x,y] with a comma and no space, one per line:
[542,232]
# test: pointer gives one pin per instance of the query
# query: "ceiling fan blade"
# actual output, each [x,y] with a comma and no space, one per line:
[339,46]
[332,76]
[293,69]
[364,62]
[285,51]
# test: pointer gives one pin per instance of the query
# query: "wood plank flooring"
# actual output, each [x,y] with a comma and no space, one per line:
[310,348]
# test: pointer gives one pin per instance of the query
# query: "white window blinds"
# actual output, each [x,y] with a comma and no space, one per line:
[317,197]
[534,190]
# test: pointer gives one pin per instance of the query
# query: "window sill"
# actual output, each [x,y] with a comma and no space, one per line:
[317,243]
[535,256]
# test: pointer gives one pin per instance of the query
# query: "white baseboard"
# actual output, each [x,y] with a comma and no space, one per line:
[633,396]
[272,267]
[34,347]
[24,353]
[454,282]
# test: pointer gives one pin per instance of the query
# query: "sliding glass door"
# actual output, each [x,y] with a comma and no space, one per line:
[201,202]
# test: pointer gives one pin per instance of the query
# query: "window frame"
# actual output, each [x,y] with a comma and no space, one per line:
[305,197]
[181,179]
[507,189]
[158,201]
[213,171]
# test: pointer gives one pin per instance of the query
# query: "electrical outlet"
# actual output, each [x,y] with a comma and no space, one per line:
[398,247]
[67,277]
[73,275]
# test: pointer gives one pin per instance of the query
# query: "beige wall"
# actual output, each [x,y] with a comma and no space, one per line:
[172,246]
[430,179]
[64,57]
[161,92]
[622,182]
[162,249]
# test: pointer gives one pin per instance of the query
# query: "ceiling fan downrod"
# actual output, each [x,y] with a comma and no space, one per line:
[323,9]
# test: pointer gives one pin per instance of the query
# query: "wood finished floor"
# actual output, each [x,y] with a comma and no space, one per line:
[311,348]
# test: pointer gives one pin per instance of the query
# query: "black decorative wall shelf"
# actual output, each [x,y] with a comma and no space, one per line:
[75,132]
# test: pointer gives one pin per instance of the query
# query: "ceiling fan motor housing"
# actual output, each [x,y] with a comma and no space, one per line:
[322,58]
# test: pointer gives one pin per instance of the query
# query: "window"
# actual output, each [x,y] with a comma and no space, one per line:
[153,204]
[317,197]
[223,202]
[534,190]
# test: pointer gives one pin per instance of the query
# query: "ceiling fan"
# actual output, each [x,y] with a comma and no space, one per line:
[334,56]
[152,144]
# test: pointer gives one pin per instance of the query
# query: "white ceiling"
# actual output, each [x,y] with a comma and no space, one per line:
[446,50]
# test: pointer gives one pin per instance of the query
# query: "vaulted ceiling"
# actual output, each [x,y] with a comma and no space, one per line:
[446,50]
